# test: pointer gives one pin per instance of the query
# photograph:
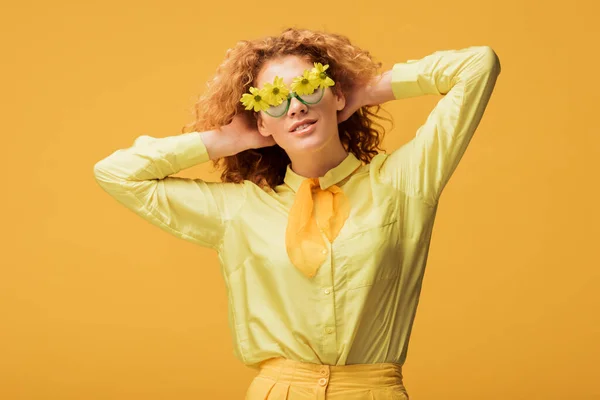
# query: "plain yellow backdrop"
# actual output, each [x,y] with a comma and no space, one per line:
[96,303]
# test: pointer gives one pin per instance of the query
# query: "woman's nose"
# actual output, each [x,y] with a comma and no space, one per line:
[296,107]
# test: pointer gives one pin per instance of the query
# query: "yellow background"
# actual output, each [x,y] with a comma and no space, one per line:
[96,303]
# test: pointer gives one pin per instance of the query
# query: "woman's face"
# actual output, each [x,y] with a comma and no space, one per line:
[324,133]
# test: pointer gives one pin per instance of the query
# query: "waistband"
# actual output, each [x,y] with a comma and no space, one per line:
[352,376]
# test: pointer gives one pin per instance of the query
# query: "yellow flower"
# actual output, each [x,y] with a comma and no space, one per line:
[321,77]
[305,84]
[276,92]
[255,99]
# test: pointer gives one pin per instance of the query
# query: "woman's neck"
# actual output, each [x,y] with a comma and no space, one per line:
[316,164]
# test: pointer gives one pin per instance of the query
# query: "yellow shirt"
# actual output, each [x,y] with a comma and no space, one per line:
[360,305]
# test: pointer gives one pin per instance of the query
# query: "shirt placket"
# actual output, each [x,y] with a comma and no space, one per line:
[327,300]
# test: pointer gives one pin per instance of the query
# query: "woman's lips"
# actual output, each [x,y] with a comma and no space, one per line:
[308,129]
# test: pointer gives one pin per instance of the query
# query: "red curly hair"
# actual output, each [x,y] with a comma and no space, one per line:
[349,66]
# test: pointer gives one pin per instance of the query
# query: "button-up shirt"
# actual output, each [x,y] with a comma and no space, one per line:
[360,305]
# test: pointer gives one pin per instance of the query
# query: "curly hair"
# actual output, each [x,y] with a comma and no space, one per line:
[349,67]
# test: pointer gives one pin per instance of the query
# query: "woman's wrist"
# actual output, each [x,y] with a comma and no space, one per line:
[219,144]
[379,90]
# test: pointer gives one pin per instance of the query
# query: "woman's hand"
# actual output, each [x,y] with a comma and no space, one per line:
[243,131]
[356,99]
[377,91]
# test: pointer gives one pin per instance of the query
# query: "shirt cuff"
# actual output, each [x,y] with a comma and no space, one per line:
[405,80]
[195,149]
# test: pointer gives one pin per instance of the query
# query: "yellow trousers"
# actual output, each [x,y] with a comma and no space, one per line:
[283,379]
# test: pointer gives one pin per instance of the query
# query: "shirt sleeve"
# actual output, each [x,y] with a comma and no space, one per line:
[191,209]
[466,77]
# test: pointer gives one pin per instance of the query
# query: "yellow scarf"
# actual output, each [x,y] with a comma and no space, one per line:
[305,245]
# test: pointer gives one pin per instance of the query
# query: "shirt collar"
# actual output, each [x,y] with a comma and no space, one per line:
[332,177]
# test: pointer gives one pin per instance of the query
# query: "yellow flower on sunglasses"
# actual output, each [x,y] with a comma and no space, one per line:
[276,92]
[255,99]
[305,84]
[319,72]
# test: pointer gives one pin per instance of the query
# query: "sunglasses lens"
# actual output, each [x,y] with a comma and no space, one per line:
[278,110]
[313,97]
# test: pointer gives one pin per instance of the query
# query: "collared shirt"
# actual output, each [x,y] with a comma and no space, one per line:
[360,306]
[332,177]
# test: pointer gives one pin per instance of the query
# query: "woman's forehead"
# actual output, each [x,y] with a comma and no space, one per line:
[287,67]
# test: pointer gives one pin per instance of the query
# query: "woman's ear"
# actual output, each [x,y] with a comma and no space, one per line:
[340,99]
[260,124]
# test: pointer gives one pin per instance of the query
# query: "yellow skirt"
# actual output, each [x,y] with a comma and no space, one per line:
[283,379]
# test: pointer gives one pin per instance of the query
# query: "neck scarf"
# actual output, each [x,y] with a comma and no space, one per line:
[314,211]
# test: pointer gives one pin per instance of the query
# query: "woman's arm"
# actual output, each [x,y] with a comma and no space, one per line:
[191,209]
[466,77]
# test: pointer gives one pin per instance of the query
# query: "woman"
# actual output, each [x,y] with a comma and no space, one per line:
[322,240]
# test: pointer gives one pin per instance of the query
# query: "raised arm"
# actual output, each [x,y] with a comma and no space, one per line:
[423,166]
[191,209]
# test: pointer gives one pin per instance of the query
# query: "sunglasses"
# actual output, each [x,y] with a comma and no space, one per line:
[308,99]
[274,98]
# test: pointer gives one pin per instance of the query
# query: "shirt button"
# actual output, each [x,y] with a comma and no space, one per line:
[324,251]
[323,381]
[327,291]
[329,330]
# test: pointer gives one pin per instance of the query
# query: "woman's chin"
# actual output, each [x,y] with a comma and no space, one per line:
[313,144]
